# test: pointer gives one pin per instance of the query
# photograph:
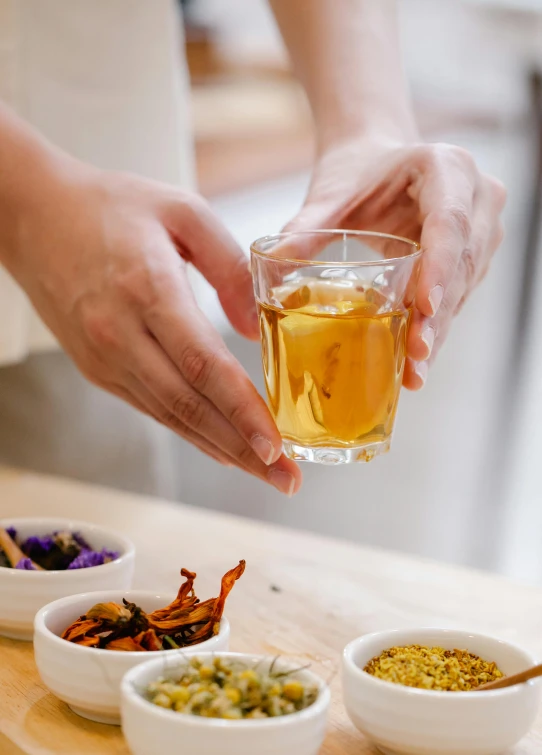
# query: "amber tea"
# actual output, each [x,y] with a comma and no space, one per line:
[333,356]
[334,307]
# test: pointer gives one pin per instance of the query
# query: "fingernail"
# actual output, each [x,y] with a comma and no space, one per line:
[421,369]
[435,298]
[428,337]
[263,448]
[283,481]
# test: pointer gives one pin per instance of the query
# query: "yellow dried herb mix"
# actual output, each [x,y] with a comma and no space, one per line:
[233,690]
[433,668]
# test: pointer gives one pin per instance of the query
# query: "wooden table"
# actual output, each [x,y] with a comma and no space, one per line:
[301,595]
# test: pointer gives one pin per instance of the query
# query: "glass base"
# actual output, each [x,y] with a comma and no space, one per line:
[334,455]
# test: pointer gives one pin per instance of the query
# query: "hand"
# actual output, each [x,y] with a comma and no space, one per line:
[104,258]
[430,193]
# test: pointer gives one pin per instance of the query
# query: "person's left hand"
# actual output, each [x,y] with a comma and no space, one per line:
[431,193]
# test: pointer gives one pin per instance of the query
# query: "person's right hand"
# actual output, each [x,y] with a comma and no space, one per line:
[103,257]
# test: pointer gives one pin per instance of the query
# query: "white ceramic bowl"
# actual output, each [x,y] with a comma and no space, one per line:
[406,721]
[88,679]
[23,593]
[150,729]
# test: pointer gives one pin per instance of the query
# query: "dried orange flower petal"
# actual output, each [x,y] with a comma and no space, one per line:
[185,621]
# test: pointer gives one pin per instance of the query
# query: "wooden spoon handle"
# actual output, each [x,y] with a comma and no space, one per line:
[510,681]
[12,550]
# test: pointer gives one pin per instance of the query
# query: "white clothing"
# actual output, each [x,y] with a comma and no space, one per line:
[106,81]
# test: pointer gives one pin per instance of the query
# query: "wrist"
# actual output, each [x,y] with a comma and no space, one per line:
[360,149]
[385,129]
[32,174]
[38,183]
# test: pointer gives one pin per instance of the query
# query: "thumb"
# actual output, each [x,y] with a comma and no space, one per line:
[312,216]
[204,240]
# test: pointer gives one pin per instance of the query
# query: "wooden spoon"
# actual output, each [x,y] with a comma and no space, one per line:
[510,681]
[12,550]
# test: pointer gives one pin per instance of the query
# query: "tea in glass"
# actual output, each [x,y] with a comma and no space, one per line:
[333,352]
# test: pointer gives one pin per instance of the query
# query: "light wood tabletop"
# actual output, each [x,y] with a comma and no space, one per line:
[302,595]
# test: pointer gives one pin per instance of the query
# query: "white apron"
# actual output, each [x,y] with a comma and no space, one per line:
[106,81]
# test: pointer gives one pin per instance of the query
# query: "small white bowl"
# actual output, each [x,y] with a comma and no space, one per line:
[23,593]
[88,679]
[149,729]
[407,721]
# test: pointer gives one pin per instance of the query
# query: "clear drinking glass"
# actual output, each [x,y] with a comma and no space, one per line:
[334,308]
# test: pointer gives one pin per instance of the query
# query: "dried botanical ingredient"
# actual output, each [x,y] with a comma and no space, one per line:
[433,668]
[110,612]
[55,551]
[232,690]
[88,558]
[184,622]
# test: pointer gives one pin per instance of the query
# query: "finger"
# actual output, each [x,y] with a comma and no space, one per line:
[494,243]
[144,403]
[452,304]
[487,229]
[474,262]
[434,331]
[428,334]
[486,236]
[177,401]
[283,475]
[200,355]
[305,235]
[298,246]
[420,337]
[203,240]
[126,396]
[314,215]
[415,374]
[94,368]
[153,408]
[445,196]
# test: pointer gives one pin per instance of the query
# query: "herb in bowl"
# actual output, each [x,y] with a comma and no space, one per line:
[127,627]
[232,690]
[55,551]
[433,668]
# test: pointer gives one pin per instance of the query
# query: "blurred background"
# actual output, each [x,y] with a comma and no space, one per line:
[463,482]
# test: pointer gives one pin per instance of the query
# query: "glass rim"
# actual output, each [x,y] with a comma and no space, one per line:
[336,263]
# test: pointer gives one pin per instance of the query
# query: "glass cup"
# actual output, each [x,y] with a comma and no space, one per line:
[334,308]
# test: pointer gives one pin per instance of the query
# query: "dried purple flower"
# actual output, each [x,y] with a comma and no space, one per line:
[89,558]
[36,546]
[85,559]
[53,551]
[57,551]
